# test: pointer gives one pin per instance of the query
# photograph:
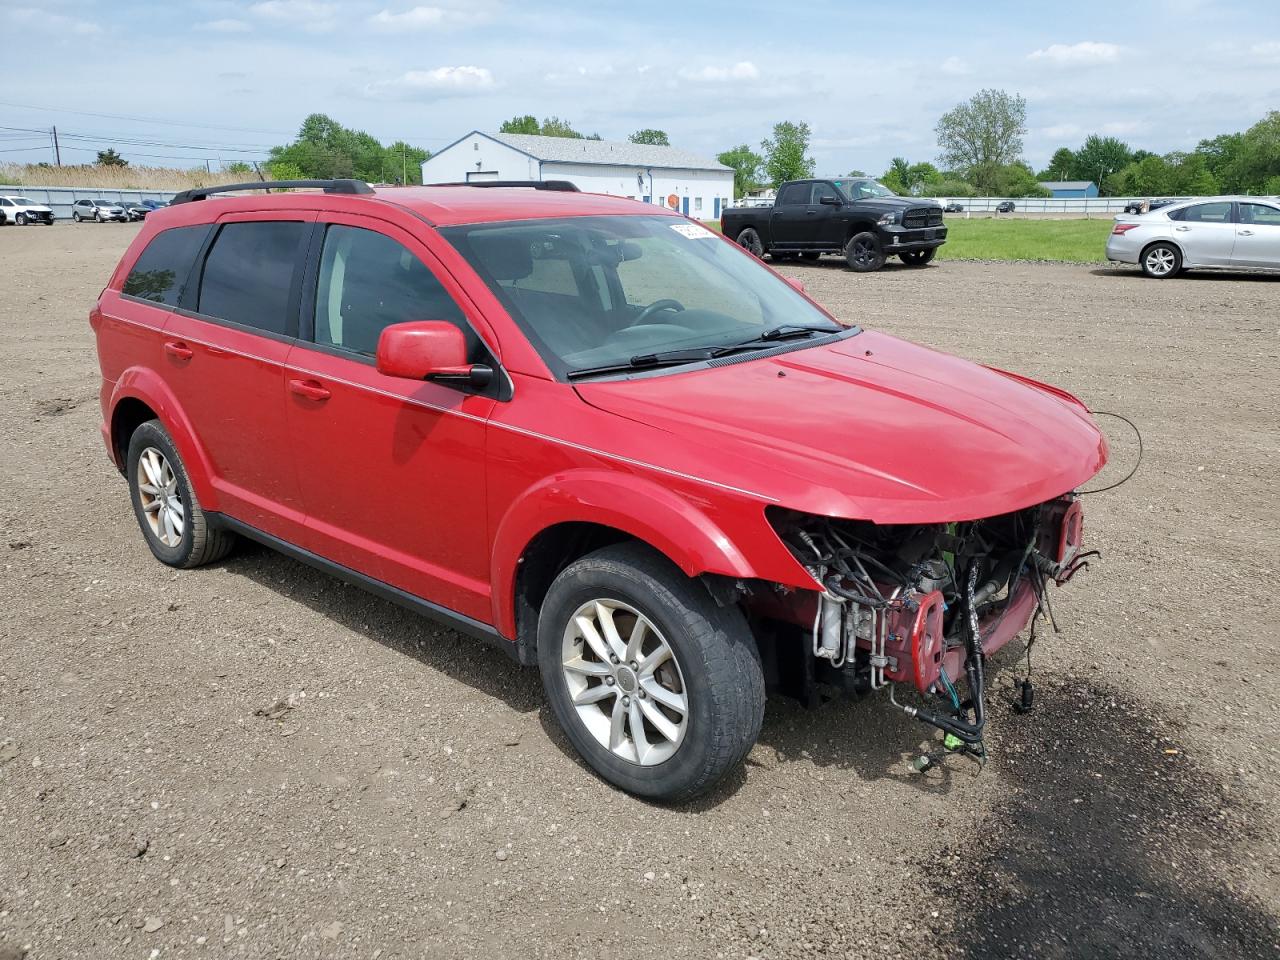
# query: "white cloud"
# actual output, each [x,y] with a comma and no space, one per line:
[427,18]
[1087,51]
[1268,52]
[443,81]
[225,26]
[955,67]
[307,14]
[742,70]
[33,18]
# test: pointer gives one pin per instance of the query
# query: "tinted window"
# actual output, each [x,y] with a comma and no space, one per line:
[1205,213]
[821,190]
[1259,214]
[369,281]
[794,193]
[162,270]
[249,272]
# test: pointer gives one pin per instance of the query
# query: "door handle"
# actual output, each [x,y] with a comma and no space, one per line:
[309,389]
[1246,233]
[178,350]
[1182,229]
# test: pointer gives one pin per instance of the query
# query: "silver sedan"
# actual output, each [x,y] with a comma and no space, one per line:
[1223,232]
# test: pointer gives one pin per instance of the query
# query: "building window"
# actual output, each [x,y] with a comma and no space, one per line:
[697,204]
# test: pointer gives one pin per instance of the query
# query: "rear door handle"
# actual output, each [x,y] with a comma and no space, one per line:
[1246,233]
[309,389]
[178,350]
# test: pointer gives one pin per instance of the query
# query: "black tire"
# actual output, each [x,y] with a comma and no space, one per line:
[718,666]
[1161,260]
[863,252]
[20,219]
[917,258]
[200,543]
[3,218]
[75,216]
[98,216]
[750,241]
[811,255]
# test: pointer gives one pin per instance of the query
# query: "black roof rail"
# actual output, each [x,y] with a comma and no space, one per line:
[329,186]
[560,186]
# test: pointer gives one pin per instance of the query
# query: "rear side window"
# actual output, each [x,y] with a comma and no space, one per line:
[161,272]
[1219,212]
[794,193]
[368,282]
[249,273]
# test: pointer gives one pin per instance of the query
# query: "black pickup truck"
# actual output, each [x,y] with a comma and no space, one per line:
[858,218]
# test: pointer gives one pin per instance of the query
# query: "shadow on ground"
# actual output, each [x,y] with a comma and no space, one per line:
[1210,276]
[1116,843]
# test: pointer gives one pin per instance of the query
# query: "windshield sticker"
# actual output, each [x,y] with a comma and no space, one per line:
[692,231]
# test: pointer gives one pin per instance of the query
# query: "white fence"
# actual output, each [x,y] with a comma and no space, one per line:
[1087,207]
[60,199]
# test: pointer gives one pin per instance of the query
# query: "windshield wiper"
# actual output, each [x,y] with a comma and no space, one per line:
[788,331]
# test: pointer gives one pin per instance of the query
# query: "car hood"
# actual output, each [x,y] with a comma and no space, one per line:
[868,427]
[34,207]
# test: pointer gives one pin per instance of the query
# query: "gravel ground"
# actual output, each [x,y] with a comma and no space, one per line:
[253,760]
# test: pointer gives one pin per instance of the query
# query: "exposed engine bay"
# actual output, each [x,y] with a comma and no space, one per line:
[926,605]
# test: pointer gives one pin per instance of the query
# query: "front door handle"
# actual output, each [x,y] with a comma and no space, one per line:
[178,350]
[1182,229]
[309,389]
[1246,233]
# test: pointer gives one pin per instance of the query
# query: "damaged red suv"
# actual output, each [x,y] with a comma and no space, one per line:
[598,435]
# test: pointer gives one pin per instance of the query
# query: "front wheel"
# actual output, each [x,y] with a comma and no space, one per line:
[863,252]
[21,219]
[750,241]
[917,258]
[75,216]
[98,216]
[1161,260]
[172,521]
[657,686]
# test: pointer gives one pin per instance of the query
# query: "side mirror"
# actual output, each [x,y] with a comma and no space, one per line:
[429,350]
[830,201]
[797,284]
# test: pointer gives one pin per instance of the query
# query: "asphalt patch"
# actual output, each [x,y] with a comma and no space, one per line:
[1116,843]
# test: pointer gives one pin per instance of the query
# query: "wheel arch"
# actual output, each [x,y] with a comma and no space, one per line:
[568,516]
[140,395]
[1182,253]
[855,227]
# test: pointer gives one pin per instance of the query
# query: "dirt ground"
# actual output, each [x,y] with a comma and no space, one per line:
[252,760]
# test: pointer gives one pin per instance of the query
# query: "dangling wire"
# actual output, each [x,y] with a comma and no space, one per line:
[1129,475]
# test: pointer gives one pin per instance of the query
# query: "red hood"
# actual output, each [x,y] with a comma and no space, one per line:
[870,427]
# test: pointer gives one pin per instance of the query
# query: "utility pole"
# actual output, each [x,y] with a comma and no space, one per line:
[57,152]
[404,165]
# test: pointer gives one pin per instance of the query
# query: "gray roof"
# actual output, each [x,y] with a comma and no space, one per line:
[573,150]
[1066,184]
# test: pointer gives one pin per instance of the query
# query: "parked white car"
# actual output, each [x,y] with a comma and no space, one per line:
[1222,232]
[21,210]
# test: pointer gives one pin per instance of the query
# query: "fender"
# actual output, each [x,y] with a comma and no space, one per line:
[140,383]
[635,505]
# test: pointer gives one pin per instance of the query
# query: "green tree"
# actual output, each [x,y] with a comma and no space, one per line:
[238,167]
[284,170]
[1016,180]
[898,177]
[982,135]
[746,164]
[1099,158]
[1259,160]
[526,124]
[1062,165]
[1222,157]
[784,153]
[403,163]
[656,138]
[109,158]
[555,127]
[325,149]
[948,188]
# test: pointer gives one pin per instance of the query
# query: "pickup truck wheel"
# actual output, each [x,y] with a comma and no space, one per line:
[863,252]
[750,241]
[175,527]
[657,686]
[917,258]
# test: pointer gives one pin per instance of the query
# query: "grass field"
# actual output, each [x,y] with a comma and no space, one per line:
[1080,241]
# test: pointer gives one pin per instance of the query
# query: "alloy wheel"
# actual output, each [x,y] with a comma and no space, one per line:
[161,499]
[864,252]
[750,241]
[624,681]
[1160,261]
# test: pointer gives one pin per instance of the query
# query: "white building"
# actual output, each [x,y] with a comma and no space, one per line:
[665,175]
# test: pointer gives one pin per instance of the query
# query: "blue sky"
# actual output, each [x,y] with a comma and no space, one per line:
[232,77]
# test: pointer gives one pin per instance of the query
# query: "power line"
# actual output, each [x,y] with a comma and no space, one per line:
[156,120]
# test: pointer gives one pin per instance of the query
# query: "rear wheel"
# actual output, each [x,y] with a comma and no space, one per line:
[750,241]
[863,252]
[657,686]
[1161,260]
[75,216]
[174,525]
[917,258]
[98,216]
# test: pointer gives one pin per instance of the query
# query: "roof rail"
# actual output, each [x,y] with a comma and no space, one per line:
[560,186]
[329,186]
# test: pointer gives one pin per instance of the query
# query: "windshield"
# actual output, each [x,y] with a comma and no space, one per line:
[23,201]
[595,291]
[860,189]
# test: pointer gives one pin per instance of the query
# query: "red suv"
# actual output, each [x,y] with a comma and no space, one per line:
[599,435]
